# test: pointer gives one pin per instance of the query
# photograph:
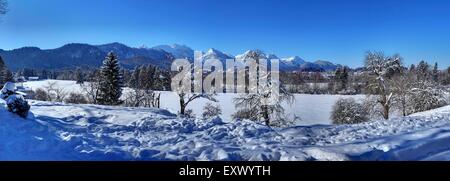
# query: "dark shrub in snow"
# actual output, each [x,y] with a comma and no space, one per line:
[348,111]
[18,105]
[41,95]
[76,98]
[210,111]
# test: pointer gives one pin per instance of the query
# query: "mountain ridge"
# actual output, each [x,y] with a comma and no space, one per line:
[73,55]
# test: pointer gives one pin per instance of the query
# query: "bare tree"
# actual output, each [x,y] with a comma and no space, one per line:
[91,88]
[55,92]
[183,84]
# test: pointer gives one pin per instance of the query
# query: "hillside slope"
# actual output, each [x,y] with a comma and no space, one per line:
[57,131]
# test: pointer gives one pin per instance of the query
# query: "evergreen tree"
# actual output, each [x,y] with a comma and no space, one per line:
[412,68]
[341,77]
[2,69]
[435,72]
[79,76]
[110,88]
[423,72]
[7,76]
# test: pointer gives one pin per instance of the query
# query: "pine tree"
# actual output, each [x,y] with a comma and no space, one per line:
[7,76]
[2,69]
[435,72]
[341,76]
[423,72]
[111,85]
[79,76]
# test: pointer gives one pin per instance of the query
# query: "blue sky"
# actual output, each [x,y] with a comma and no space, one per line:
[340,31]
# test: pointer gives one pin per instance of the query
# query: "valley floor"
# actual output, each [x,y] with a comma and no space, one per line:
[57,131]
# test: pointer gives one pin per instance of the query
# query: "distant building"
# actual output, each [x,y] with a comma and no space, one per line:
[20,79]
[33,78]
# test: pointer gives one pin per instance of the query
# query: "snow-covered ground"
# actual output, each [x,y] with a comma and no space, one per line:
[312,109]
[56,131]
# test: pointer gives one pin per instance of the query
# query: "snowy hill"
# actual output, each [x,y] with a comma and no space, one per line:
[88,132]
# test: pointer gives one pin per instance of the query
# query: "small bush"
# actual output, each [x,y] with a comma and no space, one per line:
[41,95]
[210,111]
[348,111]
[76,98]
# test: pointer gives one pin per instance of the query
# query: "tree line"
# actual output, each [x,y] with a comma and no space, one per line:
[391,87]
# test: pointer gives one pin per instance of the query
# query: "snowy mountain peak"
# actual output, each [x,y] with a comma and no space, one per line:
[177,50]
[295,60]
[216,54]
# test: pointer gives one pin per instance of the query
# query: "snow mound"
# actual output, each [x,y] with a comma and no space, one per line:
[56,131]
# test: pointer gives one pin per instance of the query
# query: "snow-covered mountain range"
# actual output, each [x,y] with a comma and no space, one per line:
[77,54]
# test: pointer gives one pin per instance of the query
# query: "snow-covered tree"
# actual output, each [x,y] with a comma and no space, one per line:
[401,86]
[348,111]
[381,69]
[423,71]
[427,95]
[210,111]
[254,105]
[110,85]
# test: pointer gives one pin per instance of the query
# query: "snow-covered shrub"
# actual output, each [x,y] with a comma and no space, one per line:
[76,98]
[188,113]
[210,111]
[41,95]
[348,111]
[426,96]
[18,105]
[15,102]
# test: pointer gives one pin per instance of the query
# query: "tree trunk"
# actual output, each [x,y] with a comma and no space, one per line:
[182,106]
[265,112]
[386,112]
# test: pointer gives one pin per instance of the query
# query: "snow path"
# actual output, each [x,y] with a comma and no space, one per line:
[56,131]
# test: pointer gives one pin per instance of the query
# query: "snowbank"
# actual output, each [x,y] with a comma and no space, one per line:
[57,131]
[312,109]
